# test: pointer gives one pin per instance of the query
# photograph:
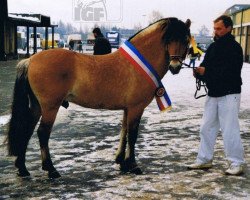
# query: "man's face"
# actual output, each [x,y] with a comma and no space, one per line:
[220,29]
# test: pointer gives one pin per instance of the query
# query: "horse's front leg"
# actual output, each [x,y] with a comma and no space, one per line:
[44,131]
[120,155]
[133,121]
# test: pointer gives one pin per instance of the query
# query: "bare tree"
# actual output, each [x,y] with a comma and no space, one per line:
[154,16]
[203,31]
[137,27]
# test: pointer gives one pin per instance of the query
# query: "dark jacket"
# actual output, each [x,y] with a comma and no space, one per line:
[102,46]
[223,62]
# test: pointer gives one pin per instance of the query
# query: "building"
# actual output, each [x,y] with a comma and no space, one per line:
[8,30]
[240,14]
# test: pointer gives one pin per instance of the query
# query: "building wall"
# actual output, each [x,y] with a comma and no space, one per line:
[9,37]
[245,17]
[248,43]
[241,31]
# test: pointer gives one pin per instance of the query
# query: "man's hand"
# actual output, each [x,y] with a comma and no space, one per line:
[200,71]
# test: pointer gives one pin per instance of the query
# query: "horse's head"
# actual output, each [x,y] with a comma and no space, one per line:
[164,42]
[176,38]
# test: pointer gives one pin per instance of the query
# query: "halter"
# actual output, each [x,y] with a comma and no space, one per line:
[199,83]
[176,57]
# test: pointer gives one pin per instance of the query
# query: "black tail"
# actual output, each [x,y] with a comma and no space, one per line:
[18,132]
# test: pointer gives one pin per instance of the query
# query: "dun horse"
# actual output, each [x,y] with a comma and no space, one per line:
[51,77]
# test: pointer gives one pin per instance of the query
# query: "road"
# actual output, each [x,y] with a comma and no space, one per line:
[84,141]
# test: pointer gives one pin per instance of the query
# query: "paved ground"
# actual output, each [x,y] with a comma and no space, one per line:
[84,142]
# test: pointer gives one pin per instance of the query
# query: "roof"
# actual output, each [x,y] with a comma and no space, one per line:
[37,20]
[237,8]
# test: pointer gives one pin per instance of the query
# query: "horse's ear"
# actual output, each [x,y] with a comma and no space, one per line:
[188,23]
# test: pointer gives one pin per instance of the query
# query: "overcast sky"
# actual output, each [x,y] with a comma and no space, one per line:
[131,12]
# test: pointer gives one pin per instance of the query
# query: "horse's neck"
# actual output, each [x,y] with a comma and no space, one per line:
[149,44]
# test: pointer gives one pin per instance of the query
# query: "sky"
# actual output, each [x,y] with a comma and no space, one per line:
[128,13]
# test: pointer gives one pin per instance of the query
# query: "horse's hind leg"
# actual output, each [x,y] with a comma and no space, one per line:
[33,117]
[44,130]
[120,155]
[133,121]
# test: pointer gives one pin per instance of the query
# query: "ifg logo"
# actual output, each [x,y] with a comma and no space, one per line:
[97,10]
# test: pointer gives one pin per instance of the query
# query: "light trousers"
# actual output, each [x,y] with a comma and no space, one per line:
[221,113]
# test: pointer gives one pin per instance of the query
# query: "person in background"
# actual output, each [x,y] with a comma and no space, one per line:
[80,46]
[102,45]
[193,56]
[199,54]
[71,45]
[221,70]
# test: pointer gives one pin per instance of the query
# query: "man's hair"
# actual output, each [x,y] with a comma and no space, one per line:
[97,31]
[227,21]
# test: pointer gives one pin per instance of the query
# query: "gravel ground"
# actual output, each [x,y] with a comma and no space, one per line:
[84,142]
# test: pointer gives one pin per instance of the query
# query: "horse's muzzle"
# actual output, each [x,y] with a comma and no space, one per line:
[175,67]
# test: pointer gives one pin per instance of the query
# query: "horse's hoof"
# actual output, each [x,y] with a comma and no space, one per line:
[124,169]
[136,170]
[54,175]
[23,173]
[133,170]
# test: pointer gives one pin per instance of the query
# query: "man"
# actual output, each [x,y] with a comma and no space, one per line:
[193,56]
[71,45]
[102,45]
[221,70]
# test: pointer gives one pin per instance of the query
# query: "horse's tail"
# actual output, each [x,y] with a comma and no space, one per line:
[20,116]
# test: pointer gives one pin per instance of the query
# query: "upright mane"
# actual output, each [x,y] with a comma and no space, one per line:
[174,30]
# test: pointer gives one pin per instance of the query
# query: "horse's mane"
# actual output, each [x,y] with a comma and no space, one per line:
[174,30]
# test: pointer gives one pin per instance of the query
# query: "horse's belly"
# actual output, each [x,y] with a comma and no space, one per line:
[97,101]
[113,98]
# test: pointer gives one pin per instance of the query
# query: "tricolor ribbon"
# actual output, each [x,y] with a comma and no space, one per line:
[144,68]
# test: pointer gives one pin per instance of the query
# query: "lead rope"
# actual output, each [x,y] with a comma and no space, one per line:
[199,83]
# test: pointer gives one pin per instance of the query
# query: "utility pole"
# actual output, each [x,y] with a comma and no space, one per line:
[3,18]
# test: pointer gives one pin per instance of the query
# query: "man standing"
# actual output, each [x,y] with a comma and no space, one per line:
[193,56]
[221,70]
[102,45]
[71,45]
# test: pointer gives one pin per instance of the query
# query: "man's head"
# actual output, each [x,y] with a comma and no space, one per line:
[96,31]
[222,26]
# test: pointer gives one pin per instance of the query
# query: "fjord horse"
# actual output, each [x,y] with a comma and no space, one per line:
[110,81]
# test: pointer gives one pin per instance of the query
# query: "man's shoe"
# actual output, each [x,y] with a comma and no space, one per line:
[200,165]
[234,170]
